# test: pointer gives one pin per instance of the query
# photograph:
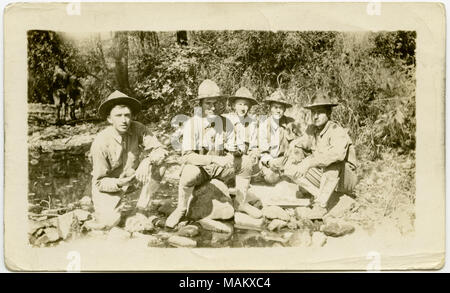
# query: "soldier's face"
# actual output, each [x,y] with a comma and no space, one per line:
[212,106]
[241,107]
[277,110]
[320,116]
[120,118]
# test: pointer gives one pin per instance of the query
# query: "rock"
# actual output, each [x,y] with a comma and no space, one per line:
[287,235]
[94,225]
[97,233]
[118,234]
[301,238]
[155,242]
[292,225]
[273,237]
[65,224]
[319,239]
[344,204]
[244,221]
[219,238]
[179,241]
[286,189]
[277,245]
[275,212]
[337,229]
[221,210]
[138,223]
[276,224]
[144,237]
[86,202]
[81,215]
[166,207]
[305,224]
[164,235]
[215,226]
[51,234]
[312,214]
[284,194]
[33,226]
[290,212]
[211,199]
[188,231]
[182,224]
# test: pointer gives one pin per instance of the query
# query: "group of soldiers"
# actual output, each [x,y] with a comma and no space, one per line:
[229,147]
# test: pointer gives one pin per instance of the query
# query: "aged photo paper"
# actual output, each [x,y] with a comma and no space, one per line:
[373,73]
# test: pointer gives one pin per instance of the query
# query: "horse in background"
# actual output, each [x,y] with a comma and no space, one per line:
[67,94]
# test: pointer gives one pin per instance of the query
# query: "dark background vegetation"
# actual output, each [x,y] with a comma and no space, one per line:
[371,74]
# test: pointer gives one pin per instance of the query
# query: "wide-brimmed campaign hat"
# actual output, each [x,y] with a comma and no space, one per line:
[243,93]
[118,98]
[208,89]
[320,99]
[278,97]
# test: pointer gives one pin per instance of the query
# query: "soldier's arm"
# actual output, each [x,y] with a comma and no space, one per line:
[101,169]
[334,152]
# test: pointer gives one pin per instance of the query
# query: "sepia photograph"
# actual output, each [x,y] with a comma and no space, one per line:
[221,142]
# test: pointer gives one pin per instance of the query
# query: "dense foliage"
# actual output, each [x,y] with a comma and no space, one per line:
[371,74]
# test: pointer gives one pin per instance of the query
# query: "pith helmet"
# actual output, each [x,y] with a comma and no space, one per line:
[208,89]
[118,98]
[278,97]
[320,99]
[243,93]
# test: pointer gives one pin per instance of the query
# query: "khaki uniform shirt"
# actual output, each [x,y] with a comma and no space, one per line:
[274,137]
[331,144]
[245,132]
[113,155]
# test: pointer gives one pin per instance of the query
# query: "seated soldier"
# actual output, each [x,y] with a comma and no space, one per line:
[275,134]
[208,149]
[331,164]
[115,154]
[245,128]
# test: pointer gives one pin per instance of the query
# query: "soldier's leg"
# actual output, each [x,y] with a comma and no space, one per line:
[105,206]
[245,167]
[348,179]
[151,187]
[328,183]
[191,176]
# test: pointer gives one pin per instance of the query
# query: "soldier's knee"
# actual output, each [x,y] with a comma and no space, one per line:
[249,166]
[189,175]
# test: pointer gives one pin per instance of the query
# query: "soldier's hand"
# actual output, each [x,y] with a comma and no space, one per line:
[157,156]
[272,165]
[125,180]
[301,169]
[142,172]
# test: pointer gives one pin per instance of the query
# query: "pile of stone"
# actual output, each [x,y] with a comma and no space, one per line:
[49,227]
[44,232]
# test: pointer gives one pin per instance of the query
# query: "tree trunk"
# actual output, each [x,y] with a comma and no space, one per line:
[182,38]
[120,47]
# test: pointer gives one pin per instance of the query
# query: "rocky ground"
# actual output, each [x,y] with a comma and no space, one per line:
[384,200]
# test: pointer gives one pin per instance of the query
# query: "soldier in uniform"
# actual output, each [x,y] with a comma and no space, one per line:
[208,148]
[330,163]
[275,134]
[245,129]
[115,154]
